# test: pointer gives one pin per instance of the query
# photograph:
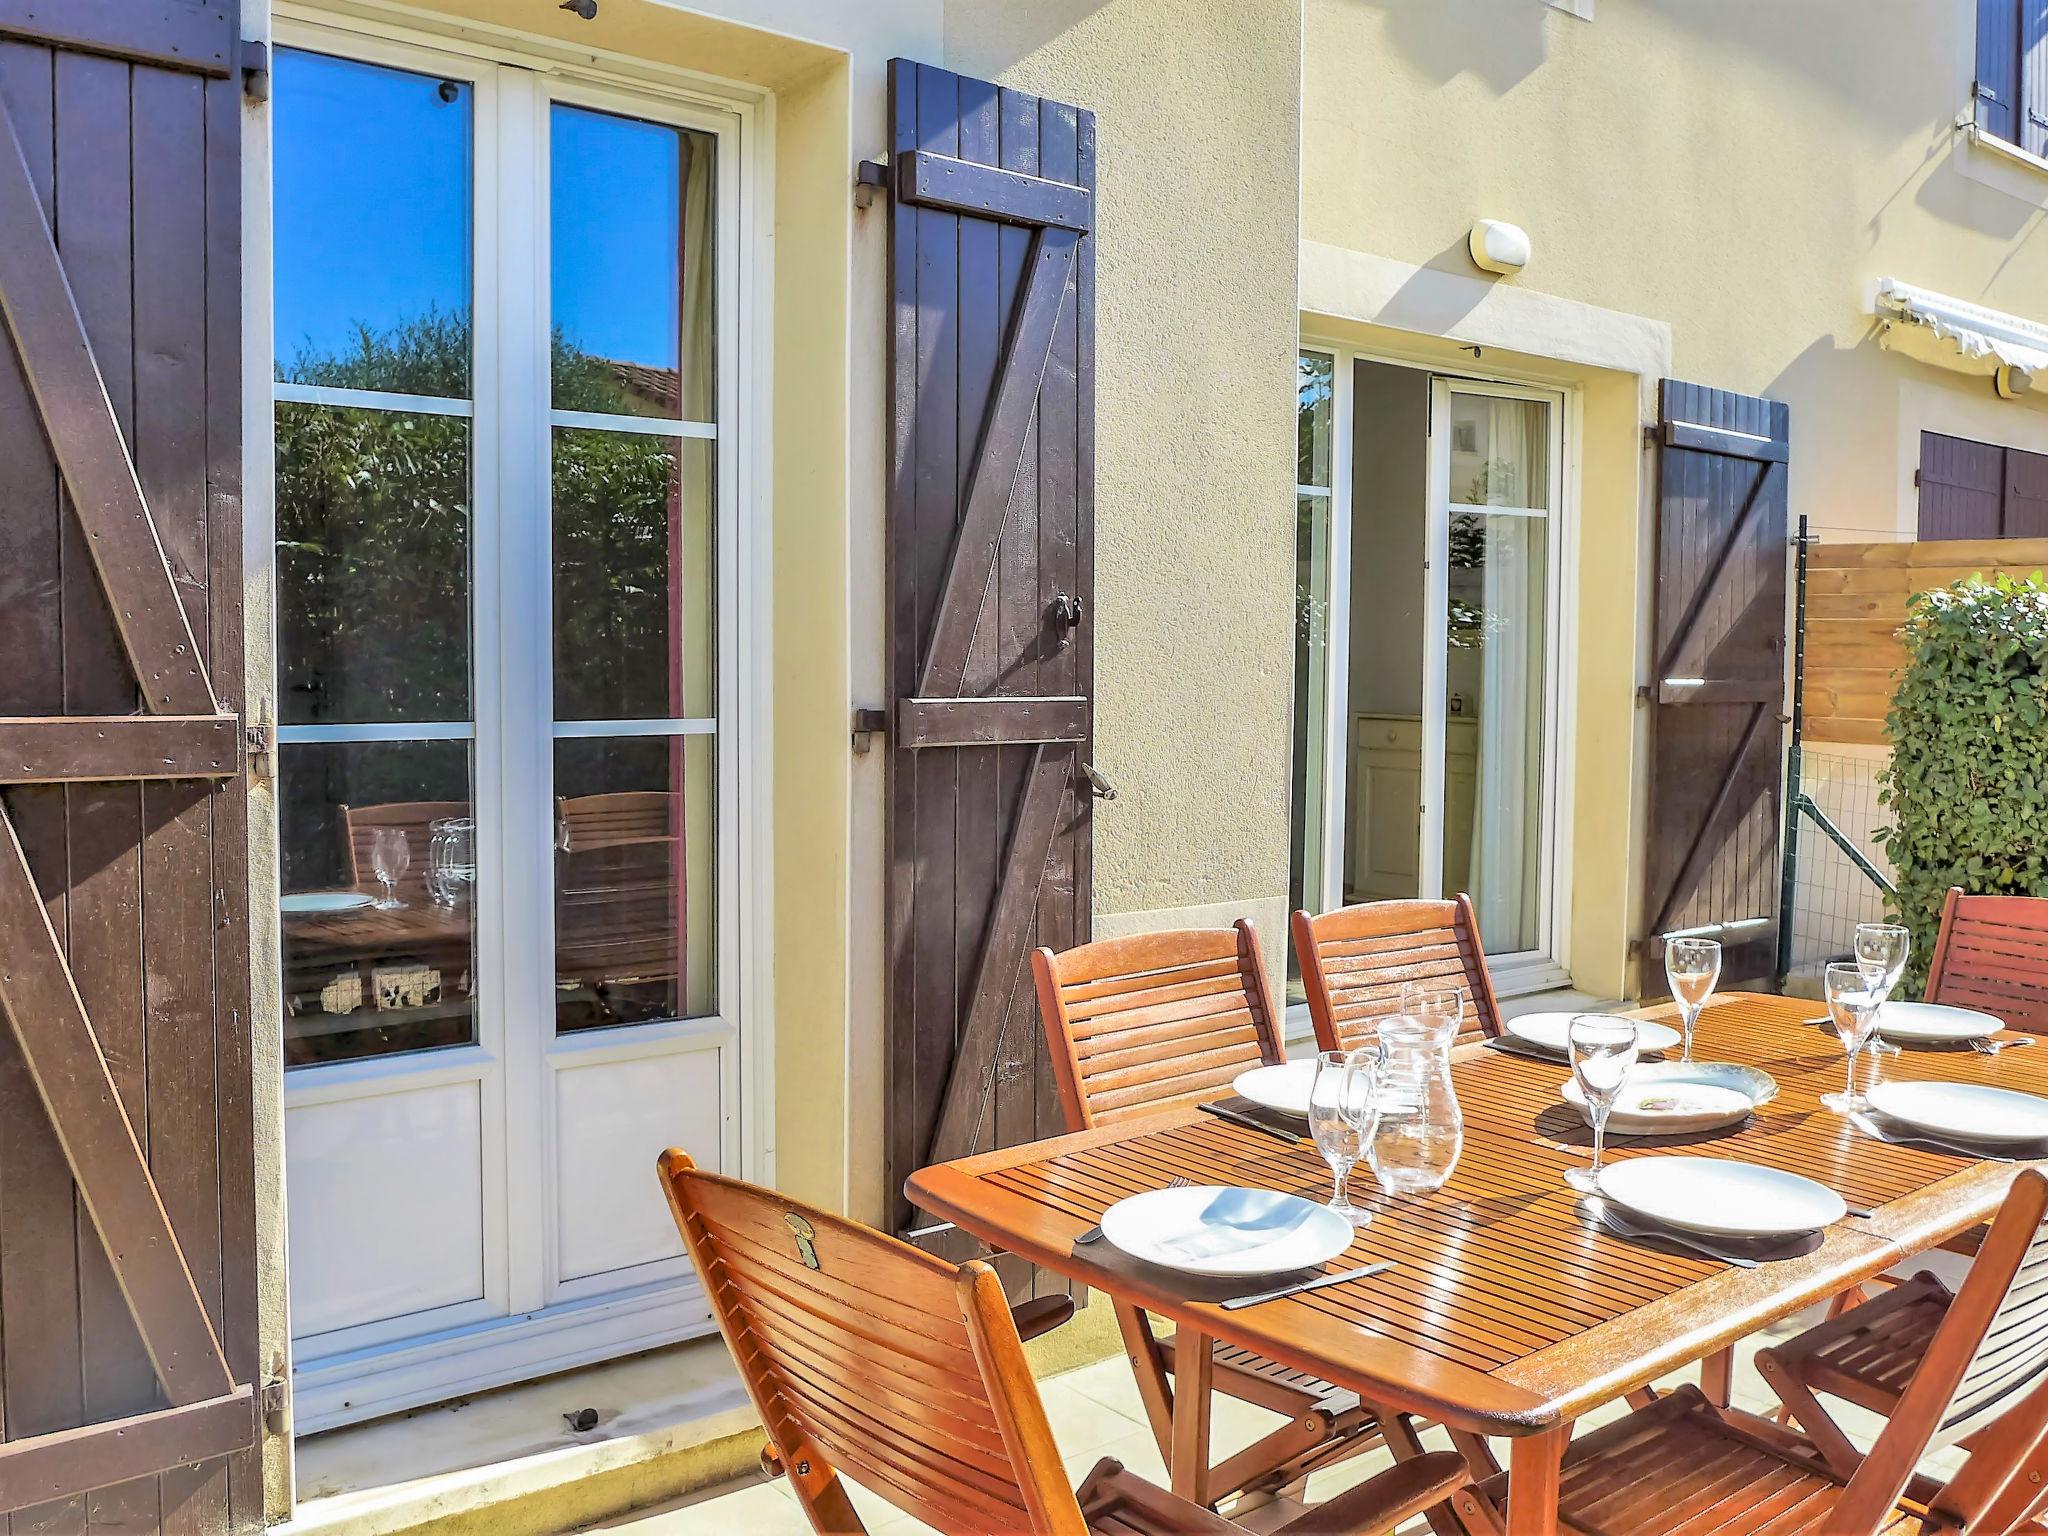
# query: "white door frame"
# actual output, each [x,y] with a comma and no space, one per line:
[1548,964]
[530,1318]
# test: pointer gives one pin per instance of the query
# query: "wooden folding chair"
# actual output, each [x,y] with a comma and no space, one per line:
[1992,954]
[1683,1467]
[1138,1024]
[866,1356]
[1355,960]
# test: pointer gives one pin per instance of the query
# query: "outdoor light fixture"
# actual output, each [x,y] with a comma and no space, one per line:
[1499,247]
[587,9]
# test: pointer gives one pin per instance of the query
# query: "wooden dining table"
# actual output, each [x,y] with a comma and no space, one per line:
[1510,1310]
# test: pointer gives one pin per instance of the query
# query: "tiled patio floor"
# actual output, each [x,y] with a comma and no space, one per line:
[1095,1413]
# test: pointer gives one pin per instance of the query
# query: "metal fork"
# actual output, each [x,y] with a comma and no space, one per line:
[1176,1182]
[1993,1047]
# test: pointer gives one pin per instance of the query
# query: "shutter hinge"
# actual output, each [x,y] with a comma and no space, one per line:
[256,71]
[867,725]
[276,1401]
[1982,91]
[872,178]
[259,748]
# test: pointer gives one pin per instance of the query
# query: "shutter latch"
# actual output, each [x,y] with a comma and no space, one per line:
[867,725]
[277,1399]
[1098,784]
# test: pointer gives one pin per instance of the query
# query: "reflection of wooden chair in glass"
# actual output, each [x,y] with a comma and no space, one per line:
[618,901]
[360,825]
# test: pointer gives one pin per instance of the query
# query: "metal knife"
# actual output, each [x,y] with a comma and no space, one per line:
[1301,1286]
[1677,1239]
[1871,1128]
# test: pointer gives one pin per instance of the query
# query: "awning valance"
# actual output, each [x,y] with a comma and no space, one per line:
[1954,333]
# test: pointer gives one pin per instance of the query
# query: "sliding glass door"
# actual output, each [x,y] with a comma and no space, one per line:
[1427,651]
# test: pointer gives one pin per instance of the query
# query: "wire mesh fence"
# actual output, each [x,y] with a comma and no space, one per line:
[1832,891]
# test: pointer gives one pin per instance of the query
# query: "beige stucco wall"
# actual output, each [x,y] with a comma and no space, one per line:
[1744,171]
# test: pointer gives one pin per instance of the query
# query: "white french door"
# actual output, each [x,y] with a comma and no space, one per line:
[510,773]
[1430,549]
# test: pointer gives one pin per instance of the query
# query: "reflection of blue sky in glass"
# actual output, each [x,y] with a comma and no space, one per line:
[372,178]
[617,189]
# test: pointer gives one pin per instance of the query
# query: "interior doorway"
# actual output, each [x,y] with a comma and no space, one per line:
[1430,542]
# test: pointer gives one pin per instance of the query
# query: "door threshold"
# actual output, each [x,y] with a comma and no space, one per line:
[668,1423]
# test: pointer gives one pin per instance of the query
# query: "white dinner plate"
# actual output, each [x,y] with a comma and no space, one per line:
[1220,1229]
[1552,1032]
[1284,1087]
[1671,1098]
[1967,1110]
[1934,1022]
[321,903]
[1721,1197]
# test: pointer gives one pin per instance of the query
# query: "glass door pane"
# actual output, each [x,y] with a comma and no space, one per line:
[374,533]
[1496,665]
[634,555]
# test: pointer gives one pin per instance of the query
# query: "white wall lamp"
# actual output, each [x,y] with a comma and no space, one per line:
[1499,247]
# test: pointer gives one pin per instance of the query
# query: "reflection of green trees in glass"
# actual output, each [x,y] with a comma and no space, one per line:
[373,530]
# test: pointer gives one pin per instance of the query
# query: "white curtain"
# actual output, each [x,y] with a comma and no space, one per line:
[1509,700]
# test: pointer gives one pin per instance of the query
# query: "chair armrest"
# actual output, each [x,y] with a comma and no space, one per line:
[1041,1315]
[1388,1498]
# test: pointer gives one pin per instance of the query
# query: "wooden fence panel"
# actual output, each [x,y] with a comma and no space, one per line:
[1855,601]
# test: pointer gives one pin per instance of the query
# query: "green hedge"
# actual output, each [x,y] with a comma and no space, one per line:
[1968,778]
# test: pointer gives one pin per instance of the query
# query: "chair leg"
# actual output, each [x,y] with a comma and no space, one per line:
[1642,1397]
[1444,1519]
[1804,1409]
[1148,1365]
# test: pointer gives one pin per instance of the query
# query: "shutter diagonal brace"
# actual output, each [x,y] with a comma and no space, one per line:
[997,457]
[85,438]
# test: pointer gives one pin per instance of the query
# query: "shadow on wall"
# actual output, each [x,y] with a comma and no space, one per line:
[1500,41]
[1425,302]
[994,34]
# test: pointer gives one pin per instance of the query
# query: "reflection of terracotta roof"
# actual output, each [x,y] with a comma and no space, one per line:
[657,386]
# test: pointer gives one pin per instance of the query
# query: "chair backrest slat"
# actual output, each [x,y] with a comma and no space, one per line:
[1138,1024]
[1992,955]
[867,1356]
[1355,961]
[2011,1357]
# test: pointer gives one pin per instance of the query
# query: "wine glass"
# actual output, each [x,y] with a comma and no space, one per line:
[390,858]
[1440,1001]
[1603,1049]
[1852,1004]
[1691,966]
[1881,951]
[1340,1116]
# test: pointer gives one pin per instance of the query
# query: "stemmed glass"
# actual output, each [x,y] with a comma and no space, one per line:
[1439,1001]
[1852,1004]
[1342,1106]
[1881,951]
[1603,1049]
[390,858]
[1692,967]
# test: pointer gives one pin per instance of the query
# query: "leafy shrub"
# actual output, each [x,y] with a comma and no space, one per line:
[1968,779]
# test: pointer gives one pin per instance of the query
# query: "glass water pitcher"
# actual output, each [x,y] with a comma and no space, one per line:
[1421,1130]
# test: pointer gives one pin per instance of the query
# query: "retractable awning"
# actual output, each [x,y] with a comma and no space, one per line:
[1969,338]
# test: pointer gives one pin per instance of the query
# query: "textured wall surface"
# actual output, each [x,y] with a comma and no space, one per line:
[1745,171]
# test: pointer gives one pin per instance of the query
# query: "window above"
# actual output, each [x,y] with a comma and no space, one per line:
[2011,88]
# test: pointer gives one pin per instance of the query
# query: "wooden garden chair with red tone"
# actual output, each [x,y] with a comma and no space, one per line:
[1992,955]
[1140,1024]
[1682,1467]
[868,1357]
[1355,961]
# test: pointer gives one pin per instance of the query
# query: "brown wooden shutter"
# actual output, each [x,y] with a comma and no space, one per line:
[1998,68]
[1719,685]
[1962,488]
[991,576]
[127,1243]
